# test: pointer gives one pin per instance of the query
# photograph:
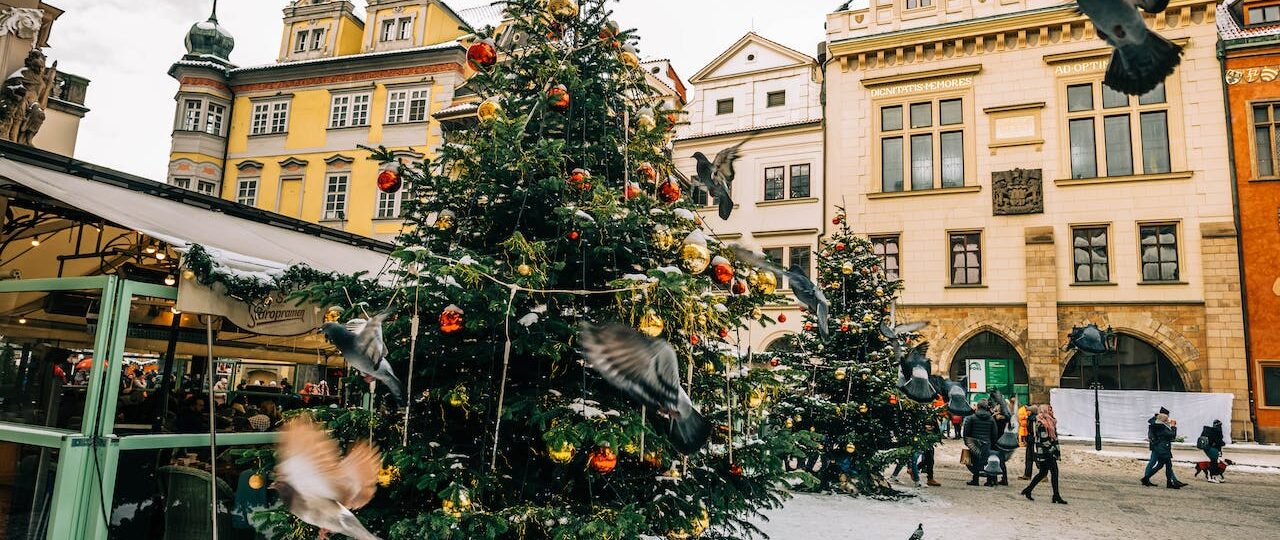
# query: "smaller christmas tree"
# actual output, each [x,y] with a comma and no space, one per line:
[844,390]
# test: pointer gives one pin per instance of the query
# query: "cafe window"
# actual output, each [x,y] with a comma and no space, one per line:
[1110,133]
[1262,15]
[724,106]
[924,142]
[966,258]
[1159,252]
[776,99]
[886,248]
[1266,138]
[1091,259]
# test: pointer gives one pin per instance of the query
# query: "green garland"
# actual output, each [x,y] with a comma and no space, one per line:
[293,281]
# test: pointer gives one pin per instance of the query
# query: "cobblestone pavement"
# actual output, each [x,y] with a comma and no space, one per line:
[1106,501]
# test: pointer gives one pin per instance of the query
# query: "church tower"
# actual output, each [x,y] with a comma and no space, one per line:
[202,114]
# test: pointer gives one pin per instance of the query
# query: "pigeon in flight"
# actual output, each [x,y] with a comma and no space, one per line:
[1142,58]
[647,371]
[806,291]
[365,351]
[718,175]
[919,534]
[954,393]
[321,487]
[913,368]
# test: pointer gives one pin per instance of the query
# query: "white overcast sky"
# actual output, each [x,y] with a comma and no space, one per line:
[125,48]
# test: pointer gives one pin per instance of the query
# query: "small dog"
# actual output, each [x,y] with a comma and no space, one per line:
[1203,467]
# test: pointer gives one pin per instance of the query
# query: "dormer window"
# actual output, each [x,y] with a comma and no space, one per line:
[397,29]
[916,4]
[300,44]
[317,39]
[1262,15]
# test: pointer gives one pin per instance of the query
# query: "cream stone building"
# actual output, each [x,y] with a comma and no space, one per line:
[767,95]
[1019,197]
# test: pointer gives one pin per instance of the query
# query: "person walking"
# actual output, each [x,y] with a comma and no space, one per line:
[1028,440]
[1163,432]
[926,459]
[1151,444]
[1044,436]
[979,433]
[1211,441]
[913,466]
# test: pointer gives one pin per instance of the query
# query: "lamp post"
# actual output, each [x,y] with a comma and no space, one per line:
[1094,342]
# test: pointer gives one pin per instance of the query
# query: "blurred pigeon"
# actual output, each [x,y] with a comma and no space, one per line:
[1142,58]
[321,487]
[806,291]
[1089,340]
[718,175]
[955,395]
[365,351]
[913,369]
[647,371]
[919,534]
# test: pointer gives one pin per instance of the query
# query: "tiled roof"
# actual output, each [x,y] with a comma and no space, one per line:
[489,13]
[436,47]
[749,129]
[1230,29]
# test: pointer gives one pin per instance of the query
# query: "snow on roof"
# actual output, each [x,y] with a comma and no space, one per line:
[1229,28]
[489,13]
[436,47]
[748,129]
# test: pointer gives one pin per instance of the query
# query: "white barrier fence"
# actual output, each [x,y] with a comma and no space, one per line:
[1125,412]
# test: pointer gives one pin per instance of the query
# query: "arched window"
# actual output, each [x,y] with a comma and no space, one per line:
[987,345]
[784,344]
[1136,365]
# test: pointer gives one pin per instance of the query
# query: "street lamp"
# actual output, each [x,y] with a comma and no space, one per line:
[1094,342]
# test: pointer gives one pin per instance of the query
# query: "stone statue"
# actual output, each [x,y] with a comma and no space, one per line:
[24,97]
[22,22]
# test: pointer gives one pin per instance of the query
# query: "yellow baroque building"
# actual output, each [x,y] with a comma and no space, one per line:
[284,137]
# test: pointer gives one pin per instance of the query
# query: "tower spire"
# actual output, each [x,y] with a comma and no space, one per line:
[213,15]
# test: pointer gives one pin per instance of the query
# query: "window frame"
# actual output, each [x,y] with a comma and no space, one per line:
[335,207]
[392,29]
[1262,366]
[769,99]
[936,130]
[1274,124]
[721,110]
[1180,278]
[791,181]
[1110,254]
[188,121]
[247,190]
[951,269]
[400,104]
[183,182]
[265,115]
[785,261]
[213,187]
[318,38]
[1134,110]
[782,183]
[1250,22]
[352,102]
[884,259]
[301,40]
[214,121]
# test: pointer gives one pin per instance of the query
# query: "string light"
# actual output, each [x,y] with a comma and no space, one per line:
[160,255]
[175,310]
[35,242]
[151,248]
[22,320]
[170,280]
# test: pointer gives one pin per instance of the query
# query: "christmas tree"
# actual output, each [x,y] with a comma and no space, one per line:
[843,392]
[559,207]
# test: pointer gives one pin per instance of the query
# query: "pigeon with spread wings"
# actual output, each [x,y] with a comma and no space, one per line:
[806,291]
[647,371]
[365,351]
[718,175]
[321,487]
[1142,58]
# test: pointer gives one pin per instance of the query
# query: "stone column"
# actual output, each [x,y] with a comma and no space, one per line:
[1042,313]
[1224,321]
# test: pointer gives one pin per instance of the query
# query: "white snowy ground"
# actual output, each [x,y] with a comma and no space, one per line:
[1106,502]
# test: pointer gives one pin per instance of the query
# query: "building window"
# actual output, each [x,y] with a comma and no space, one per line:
[800,181]
[1271,385]
[349,110]
[389,204]
[406,28]
[247,191]
[397,29]
[1262,15]
[930,139]
[184,183]
[191,111]
[699,195]
[886,248]
[407,105]
[205,187]
[317,39]
[1090,257]
[1266,138]
[776,99]
[966,258]
[335,197]
[1159,251]
[269,118]
[774,180]
[300,43]
[213,119]
[801,256]
[915,4]
[279,117]
[388,30]
[258,124]
[724,106]
[1132,131]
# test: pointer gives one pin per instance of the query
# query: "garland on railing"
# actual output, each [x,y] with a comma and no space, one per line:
[294,281]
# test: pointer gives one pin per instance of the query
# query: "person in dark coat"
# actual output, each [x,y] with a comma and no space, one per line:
[1000,414]
[1151,445]
[1163,432]
[1044,436]
[979,434]
[1214,441]
[1032,411]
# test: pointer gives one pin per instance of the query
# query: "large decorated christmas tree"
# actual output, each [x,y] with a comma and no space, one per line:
[843,392]
[559,207]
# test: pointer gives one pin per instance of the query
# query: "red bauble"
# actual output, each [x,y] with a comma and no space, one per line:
[579,178]
[558,99]
[735,469]
[740,287]
[669,191]
[844,328]
[773,362]
[389,181]
[451,320]
[482,55]
[647,172]
[632,191]
[573,235]
[836,220]
[721,270]
[603,460]
[782,317]
[724,333]
[808,326]
[893,399]
[694,339]
[840,246]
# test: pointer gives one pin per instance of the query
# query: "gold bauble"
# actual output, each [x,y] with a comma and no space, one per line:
[387,475]
[709,368]
[188,274]
[445,220]
[766,282]
[862,409]
[524,269]
[850,448]
[488,110]
[458,397]
[457,504]
[561,455]
[788,424]
[695,257]
[879,291]
[562,9]
[630,448]
[663,239]
[257,481]
[840,374]
[698,526]
[651,324]
[674,472]
[756,314]
[756,398]
[846,268]
[645,120]
[834,285]
[333,315]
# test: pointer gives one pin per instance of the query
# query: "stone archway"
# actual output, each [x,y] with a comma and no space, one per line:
[1180,349]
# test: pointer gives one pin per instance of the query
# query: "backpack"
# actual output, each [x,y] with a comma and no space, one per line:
[1202,442]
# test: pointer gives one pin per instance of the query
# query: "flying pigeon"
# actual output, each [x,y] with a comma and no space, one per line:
[364,350]
[957,398]
[647,371]
[919,534]
[321,487]
[718,175]
[1142,58]
[913,369]
[806,291]
[1089,340]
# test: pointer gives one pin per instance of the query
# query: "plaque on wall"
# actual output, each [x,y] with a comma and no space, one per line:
[1017,192]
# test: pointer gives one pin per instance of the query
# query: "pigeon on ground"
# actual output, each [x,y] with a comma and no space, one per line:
[718,175]
[1142,58]
[806,291]
[913,369]
[365,351]
[647,371]
[919,534]
[321,487]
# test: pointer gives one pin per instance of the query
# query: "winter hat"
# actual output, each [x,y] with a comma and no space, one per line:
[1164,410]
[260,422]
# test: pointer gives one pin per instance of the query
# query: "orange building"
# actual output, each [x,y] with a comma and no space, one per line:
[1250,32]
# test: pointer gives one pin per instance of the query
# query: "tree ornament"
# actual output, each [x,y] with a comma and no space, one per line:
[388,475]
[850,448]
[673,472]
[389,180]
[773,362]
[867,318]
[879,291]
[489,110]
[788,424]
[840,246]
[482,55]
[838,219]
[458,397]
[721,270]
[862,408]
[767,283]
[709,368]
[735,469]
[451,320]
[756,313]
[694,255]
[756,398]
[573,235]
[558,98]
[580,178]
[808,326]
[846,268]
[631,191]
[782,317]
[256,481]
[630,448]
[524,269]
[647,172]
[610,30]
[740,288]
[445,220]
[456,504]
[841,373]
[603,460]
[893,399]
[651,324]
[694,339]
[629,58]
[844,327]
[654,458]
[562,9]
[561,454]
[645,120]
[663,239]
[669,191]
[334,314]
